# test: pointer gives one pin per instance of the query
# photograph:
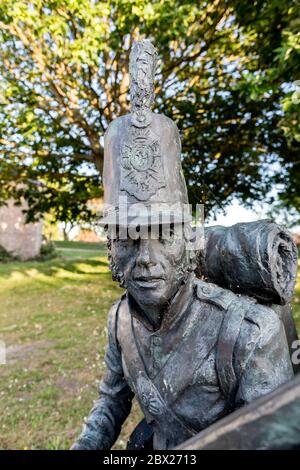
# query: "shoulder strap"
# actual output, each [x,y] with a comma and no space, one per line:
[228,336]
[113,320]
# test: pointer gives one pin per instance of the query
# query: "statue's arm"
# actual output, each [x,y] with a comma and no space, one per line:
[104,422]
[268,363]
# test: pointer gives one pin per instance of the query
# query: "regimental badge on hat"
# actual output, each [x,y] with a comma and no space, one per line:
[142,173]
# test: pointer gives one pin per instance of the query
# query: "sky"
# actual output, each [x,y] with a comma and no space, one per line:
[235,213]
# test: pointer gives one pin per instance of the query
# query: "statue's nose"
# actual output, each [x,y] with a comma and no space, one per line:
[144,255]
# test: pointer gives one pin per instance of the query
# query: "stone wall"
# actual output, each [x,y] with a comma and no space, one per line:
[16,237]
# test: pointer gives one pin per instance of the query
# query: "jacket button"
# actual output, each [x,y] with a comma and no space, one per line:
[156,340]
[206,290]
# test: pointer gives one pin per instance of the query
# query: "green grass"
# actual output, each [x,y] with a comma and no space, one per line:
[73,250]
[79,245]
[53,321]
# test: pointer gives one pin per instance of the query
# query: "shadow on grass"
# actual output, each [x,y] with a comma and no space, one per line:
[81,266]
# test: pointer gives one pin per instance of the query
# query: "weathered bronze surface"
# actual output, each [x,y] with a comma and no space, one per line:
[270,423]
[259,257]
[189,350]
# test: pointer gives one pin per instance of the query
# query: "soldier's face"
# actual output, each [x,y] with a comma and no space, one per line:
[151,269]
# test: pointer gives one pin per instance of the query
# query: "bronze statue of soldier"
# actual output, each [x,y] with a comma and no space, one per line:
[190,351]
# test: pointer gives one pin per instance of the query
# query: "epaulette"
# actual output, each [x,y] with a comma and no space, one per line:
[216,295]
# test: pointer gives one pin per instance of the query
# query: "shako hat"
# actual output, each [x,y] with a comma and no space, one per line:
[142,178]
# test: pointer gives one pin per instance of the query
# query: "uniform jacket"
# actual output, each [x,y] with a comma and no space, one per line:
[214,352]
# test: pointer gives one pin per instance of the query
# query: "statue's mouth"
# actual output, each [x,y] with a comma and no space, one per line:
[148,281]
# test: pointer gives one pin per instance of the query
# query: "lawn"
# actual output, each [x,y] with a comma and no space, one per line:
[53,321]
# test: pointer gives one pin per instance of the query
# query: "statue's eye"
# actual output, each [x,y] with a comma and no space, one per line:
[167,234]
[127,243]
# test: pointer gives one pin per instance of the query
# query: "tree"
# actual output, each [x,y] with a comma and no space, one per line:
[276,26]
[223,76]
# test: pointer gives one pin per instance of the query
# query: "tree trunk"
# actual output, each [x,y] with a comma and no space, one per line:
[65,234]
[98,160]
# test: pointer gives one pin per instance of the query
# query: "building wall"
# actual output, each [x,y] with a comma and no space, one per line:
[17,238]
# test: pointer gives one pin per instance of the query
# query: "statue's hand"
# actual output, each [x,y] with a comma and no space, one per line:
[82,444]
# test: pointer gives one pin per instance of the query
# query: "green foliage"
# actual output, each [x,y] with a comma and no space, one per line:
[48,251]
[50,227]
[5,257]
[225,76]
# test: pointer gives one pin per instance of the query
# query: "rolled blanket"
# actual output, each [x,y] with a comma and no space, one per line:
[258,259]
